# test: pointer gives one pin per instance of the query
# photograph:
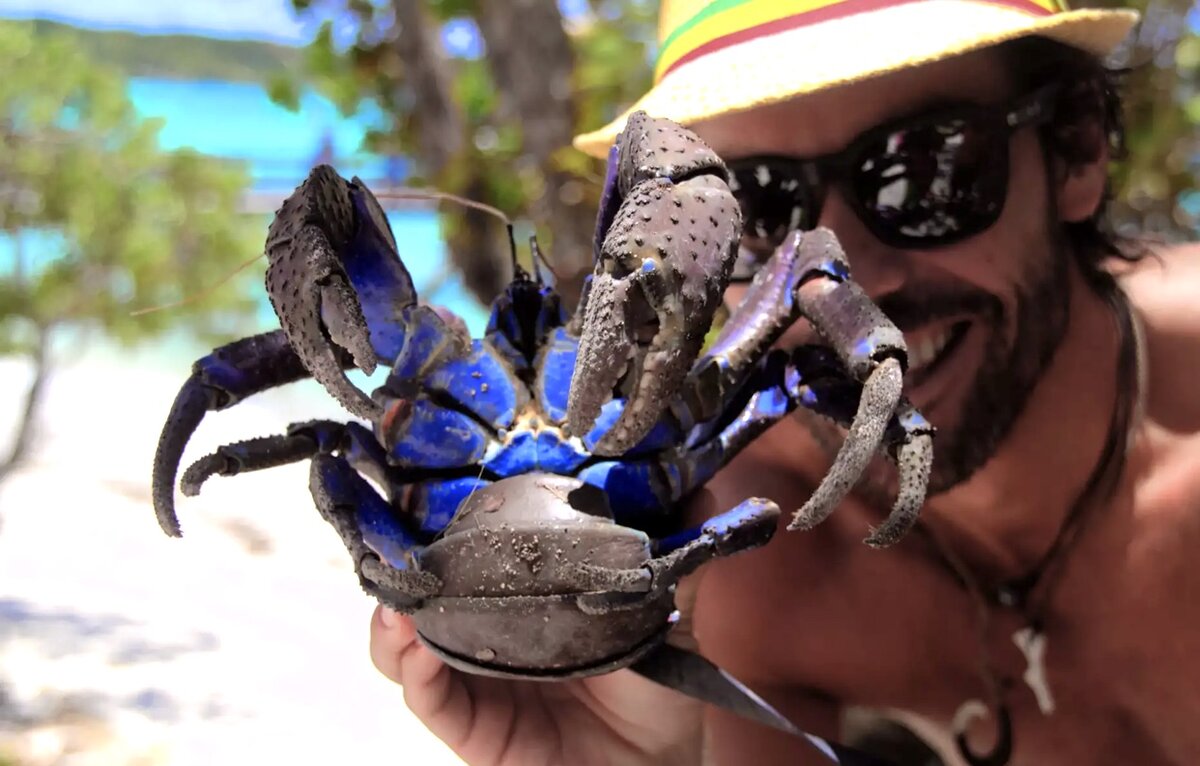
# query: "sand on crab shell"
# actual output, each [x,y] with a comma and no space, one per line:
[244,642]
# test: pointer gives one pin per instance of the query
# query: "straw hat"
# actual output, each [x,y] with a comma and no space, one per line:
[721,56]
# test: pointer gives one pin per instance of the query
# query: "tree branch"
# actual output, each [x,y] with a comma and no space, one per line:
[439,122]
[531,59]
[33,397]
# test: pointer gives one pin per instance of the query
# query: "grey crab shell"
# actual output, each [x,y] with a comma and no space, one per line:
[540,582]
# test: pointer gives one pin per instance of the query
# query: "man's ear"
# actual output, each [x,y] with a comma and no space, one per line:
[1081,185]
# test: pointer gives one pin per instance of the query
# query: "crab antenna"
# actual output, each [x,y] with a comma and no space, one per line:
[540,261]
[406,192]
[204,293]
[518,272]
[536,257]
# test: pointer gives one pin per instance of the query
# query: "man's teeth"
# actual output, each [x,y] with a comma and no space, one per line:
[925,350]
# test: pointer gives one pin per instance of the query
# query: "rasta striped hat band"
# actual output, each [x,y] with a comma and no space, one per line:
[721,56]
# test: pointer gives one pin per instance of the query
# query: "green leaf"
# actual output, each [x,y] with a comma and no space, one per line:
[285,91]
[119,223]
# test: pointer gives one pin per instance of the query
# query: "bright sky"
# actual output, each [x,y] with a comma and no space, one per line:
[242,19]
[255,19]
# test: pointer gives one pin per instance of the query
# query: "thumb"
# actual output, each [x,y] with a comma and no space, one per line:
[682,635]
[702,506]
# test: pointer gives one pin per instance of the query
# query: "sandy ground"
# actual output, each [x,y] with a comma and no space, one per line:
[243,642]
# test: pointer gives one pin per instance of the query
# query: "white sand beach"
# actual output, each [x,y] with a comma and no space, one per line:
[245,642]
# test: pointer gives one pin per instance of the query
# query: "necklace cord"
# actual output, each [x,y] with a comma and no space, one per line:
[1104,477]
[1127,412]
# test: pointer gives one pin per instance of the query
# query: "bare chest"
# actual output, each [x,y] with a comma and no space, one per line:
[1112,679]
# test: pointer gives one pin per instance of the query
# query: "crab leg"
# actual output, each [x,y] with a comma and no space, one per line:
[880,395]
[218,381]
[809,277]
[813,378]
[382,547]
[913,455]
[301,442]
[661,268]
[748,525]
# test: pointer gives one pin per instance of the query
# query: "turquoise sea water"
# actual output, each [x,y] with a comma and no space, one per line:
[239,121]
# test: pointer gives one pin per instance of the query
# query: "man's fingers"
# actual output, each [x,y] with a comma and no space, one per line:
[434,692]
[391,635]
[683,634]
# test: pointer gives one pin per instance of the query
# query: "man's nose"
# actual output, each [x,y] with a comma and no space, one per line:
[878,268]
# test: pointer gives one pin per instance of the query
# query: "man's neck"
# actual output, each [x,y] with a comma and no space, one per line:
[1006,518]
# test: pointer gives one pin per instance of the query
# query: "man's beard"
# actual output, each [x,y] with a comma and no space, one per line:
[1002,384]
[1006,379]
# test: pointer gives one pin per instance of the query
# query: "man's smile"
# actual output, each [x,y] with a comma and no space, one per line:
[930,349]
[928,345]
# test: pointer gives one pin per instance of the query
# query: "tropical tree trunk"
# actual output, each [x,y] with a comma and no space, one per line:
[26,424]
[531,59]
[477,243]
[531,62]
[439,121]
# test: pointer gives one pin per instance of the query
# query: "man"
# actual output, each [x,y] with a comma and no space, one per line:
[1047,608]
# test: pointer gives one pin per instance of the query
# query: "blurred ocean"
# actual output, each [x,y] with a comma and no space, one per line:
[238,120]
[279,146]
[246,641]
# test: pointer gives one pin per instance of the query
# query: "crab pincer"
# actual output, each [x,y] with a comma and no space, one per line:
[327,248]
[873,351]
[666,241]
[855,376]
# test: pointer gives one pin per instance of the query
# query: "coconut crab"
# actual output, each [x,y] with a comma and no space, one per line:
[505,492]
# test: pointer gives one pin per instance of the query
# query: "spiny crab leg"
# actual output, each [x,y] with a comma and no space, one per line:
[809,277]
[879,396]
[913,456]
[218,381]
[660,272]
[867,343]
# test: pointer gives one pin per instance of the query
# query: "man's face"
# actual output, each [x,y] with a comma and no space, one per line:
[981,317]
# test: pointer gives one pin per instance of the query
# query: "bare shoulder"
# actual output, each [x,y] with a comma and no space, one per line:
[1166,274]
[1165,289]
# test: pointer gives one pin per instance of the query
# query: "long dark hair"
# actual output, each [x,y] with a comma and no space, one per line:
[1089,111]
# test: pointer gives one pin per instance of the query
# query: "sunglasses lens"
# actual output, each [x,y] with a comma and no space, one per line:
[932,184]
[774,202]
[923,185]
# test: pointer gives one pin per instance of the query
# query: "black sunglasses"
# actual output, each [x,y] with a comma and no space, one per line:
[919,182]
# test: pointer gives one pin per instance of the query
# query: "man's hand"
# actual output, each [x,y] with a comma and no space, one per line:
[618,718]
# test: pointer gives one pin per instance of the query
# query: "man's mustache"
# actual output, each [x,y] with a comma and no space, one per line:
[915,307]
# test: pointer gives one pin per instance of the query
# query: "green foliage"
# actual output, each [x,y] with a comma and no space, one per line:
[1155,185]
[175,57]
[99,220]
[187,57]
[492,163]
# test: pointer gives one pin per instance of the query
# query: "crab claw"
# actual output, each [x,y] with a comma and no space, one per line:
[873,351]
[668,228]
[330,247]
